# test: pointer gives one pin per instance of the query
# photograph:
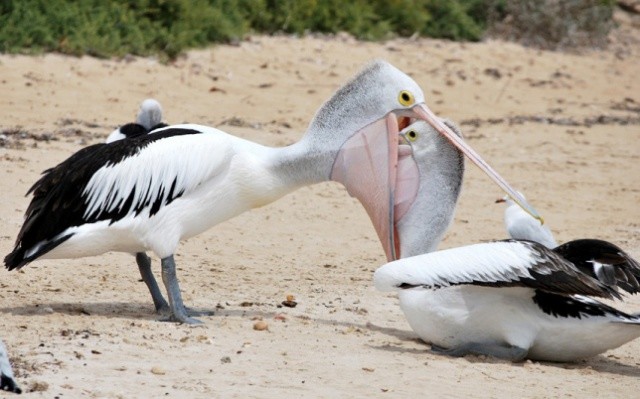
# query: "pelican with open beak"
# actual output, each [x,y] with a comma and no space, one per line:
[367,163]
[150,192]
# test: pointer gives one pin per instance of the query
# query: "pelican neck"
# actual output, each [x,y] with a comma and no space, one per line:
[301,163]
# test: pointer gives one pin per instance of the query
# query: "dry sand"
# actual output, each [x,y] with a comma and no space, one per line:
[564,129]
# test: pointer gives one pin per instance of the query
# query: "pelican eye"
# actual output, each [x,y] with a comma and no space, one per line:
[412,135]
[406,98]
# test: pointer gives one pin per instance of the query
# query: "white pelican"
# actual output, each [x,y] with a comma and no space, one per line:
[509,299]
[152,191]
[149,118]
[7,382]
[521,226]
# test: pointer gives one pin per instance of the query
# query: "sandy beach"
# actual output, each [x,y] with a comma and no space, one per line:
[562,128]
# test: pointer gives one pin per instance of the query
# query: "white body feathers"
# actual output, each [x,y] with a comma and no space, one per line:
[220,176]
[445,306]
[522,226]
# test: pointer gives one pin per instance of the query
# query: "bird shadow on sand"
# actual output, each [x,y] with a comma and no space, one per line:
[127,310]
[145,311]
[599,364]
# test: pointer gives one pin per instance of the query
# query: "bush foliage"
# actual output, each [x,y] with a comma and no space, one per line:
[554,24]
[167,27]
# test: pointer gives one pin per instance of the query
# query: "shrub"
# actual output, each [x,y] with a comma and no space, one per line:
[553,24]
[168,27]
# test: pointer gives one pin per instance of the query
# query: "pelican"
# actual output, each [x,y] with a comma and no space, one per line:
[149,118]
[521,226]
[152,191]
[7,383]
[510,299]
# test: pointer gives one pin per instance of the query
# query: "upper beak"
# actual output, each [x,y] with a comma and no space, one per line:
[425,113]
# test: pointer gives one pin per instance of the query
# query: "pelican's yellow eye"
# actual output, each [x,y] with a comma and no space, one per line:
[406,98]
[411,135]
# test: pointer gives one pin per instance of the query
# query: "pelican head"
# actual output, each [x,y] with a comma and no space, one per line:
[149,118]
[430,172]
[359,127]
[149,114]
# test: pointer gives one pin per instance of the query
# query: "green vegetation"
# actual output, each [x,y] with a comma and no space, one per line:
[167,27]
[552,24]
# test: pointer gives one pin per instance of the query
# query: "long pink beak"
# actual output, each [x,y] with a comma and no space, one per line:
[366,165]
[425,113]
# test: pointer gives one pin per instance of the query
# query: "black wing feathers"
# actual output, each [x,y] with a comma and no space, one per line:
[566,306]
[58,201]
[604,261]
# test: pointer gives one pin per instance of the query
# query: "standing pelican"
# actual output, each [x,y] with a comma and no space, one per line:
[509,299]
[150,192]
[7,383]
[149,118]
[521,226]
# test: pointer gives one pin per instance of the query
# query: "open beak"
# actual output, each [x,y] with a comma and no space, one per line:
[425,113]
[367,166]
[371,162]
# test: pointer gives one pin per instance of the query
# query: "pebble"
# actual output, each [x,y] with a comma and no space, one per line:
[260,325]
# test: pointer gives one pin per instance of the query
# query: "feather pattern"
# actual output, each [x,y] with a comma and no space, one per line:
[604,261]
[508,263]
[578,307]
[112,181]
[114,189]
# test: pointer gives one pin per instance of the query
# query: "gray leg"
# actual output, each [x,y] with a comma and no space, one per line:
[178,312]
[161,305]
[144,265]
[506,352]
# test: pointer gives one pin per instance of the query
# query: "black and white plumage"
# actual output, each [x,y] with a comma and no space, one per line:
[7,381]
[521,226]
[152,191]
[149,118]
[510,299]
[591,256]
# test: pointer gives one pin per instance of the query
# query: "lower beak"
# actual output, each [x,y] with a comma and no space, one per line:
[367,166]
[425,113]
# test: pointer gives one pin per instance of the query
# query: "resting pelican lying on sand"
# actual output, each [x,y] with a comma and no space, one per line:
[509,299]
